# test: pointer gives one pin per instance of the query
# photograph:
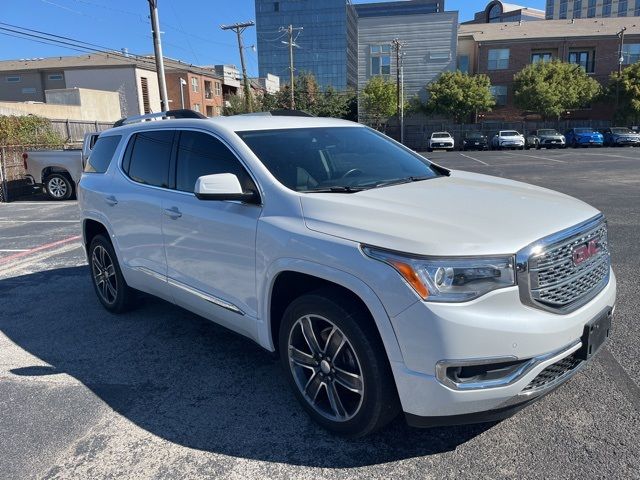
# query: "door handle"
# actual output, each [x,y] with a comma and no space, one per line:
[111,200]
[173,212]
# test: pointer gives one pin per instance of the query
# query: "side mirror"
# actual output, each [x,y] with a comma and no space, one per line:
[222,186]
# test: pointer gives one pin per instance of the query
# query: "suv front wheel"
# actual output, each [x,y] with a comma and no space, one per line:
[336,366]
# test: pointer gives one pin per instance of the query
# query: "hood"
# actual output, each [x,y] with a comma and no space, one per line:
[589,135]
[558,136]
[464,214]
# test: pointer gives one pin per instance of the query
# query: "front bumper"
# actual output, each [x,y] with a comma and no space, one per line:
[497,325]
[552,142]
[439,145]
[590,141]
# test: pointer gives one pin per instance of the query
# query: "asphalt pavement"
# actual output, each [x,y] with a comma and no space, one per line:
[162,393]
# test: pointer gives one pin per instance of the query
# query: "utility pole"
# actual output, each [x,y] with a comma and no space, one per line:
[290,29]
[239,28]
[620,62]
[397,46]
[157,47]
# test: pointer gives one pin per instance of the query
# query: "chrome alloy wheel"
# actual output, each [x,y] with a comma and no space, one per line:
[57,187]
[104,274]
[326,368]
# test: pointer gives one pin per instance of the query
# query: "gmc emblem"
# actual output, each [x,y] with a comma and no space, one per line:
[584,252]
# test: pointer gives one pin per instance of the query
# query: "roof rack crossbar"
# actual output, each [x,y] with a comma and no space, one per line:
[182,113]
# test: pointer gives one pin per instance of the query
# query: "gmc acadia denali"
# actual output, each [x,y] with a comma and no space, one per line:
[385,282]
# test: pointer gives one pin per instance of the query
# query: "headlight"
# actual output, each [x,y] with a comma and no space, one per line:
[438,279]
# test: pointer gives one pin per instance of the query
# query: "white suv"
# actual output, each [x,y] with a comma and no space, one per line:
[508,139]
[442,141]
[385,282]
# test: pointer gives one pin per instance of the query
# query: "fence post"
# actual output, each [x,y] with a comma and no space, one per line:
[68,129]
[4,191]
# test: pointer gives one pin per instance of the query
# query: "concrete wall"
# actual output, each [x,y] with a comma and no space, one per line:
[154,92]
[431,42]
[118,79]
[28,89]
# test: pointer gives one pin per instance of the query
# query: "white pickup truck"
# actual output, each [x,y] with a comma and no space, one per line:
[58,171]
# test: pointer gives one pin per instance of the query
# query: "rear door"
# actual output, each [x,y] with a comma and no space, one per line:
[134,209]
[210,246]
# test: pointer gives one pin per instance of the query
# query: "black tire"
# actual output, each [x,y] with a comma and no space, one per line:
[538,147]
[113,292]
[58,187]
[378,403]
[429,149]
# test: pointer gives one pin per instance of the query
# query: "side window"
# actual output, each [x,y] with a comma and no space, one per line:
[150,156]
[201,154]
[102,153]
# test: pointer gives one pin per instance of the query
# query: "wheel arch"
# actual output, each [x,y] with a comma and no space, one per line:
[48,171]
[289,278]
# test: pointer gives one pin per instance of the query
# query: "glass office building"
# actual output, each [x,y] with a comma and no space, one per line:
[328,43]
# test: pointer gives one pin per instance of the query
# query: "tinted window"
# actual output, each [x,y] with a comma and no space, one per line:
[150,158]
[102,154]
[201,154]
[308,159]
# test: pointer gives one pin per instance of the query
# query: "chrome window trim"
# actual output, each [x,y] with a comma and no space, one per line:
[522,272]
[524,369]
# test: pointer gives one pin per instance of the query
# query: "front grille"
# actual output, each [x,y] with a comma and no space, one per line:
[553,372]
[556,282]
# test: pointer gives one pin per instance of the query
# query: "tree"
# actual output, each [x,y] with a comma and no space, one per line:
[28,130]
[379,97]
[460,95]
[625,92]
[552,88]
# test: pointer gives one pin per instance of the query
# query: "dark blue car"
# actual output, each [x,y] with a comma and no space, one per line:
[584,137]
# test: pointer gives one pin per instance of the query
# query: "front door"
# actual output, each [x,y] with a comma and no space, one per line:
[211,245]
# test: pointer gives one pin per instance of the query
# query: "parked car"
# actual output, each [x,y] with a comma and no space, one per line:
[441,140]
[57,172]
[621,136]
[385,282]
[584,137]
[507,139]
[546,138]
[474,141]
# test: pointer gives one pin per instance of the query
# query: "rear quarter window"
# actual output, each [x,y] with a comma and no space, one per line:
[102,154]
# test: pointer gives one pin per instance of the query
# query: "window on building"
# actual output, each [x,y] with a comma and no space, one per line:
[101,154]
[583,58]
[538,57]
[636,11]
[499,93]
[13,78]
[591,8]
[623,6]
[498,59]
[381,59]
[276,6]
[495,13]
[144,84]
[577,9]
[201,154]
[195,84]
[55,77]
[606,8]
[631,53]
[563,9]
[218,88]
[150,156]
[208,92]
[550,8]
[196,107]
[463,63]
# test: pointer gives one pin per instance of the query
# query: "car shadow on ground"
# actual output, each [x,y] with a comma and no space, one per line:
[187,380]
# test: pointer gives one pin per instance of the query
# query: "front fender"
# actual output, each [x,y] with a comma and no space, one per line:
[330,274]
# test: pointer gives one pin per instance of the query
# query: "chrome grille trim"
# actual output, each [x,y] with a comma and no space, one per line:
[549,280]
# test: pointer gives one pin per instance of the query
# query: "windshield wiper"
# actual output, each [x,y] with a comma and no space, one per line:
[336,189]
[400,181]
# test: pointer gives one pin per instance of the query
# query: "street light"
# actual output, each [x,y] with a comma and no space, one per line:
[183,82]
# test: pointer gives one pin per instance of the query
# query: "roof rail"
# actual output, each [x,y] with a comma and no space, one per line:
[279,113]
[181,113]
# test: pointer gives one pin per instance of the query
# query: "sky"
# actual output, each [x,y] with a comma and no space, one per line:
[191,28]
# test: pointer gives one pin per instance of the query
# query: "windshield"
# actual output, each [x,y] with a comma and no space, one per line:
[474,135]
[584,130]
[440,135]
[548,132]
[509,133]
[314,159]
[621,130]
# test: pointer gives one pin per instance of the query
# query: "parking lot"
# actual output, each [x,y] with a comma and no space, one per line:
[162,393]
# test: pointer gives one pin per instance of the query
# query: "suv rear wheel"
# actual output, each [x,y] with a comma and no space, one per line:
[337,368]
[58,186]
[108,282]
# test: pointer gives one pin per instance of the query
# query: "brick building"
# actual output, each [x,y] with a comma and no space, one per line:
[502,50]
[195,89]
[497,11]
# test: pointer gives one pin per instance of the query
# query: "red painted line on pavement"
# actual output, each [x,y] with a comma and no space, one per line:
[5,260]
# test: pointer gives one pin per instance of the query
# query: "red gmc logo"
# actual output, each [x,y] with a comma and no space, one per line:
[584,252]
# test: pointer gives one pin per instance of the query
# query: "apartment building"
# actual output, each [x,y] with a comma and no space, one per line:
[502,50]
[501,12]
[568,9]
[197,90]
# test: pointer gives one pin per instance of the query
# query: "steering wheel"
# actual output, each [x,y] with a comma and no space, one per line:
[352,172]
